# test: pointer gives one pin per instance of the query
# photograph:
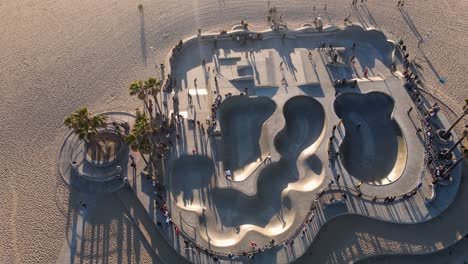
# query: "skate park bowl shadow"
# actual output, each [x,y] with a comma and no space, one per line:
[275,207]
[241,119]
[373,149]
[191,175]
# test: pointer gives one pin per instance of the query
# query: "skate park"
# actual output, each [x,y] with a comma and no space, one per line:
[98,195]
[264,171]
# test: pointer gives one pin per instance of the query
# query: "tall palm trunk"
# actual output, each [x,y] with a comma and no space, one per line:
[147,107]
[448,131]
[144,159]
[453,166]
[456,144]
[157,103]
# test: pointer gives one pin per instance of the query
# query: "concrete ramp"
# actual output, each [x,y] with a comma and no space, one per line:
[306,73]
[267,71]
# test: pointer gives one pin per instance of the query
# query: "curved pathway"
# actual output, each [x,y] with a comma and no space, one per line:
[364,237]
[457,253]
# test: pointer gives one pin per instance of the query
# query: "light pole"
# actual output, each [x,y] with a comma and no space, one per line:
[445,134]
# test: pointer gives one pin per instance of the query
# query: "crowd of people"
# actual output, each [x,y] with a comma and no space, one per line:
[435,163]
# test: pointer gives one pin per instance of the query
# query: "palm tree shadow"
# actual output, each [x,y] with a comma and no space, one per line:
[142,35]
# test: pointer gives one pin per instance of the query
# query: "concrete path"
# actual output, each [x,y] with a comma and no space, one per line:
[73,246]
[366,237]
[457,253]
[162,250]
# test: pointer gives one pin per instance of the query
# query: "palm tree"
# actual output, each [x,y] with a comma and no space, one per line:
[153,86]
[139,138]
[85,124]
[137,88]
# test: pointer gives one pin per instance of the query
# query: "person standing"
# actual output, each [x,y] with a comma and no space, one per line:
[337,178]
[366,72]
[359,185]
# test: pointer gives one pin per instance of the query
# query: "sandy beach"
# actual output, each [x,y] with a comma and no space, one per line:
[56,56]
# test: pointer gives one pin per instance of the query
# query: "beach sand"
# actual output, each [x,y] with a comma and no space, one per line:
[56,56]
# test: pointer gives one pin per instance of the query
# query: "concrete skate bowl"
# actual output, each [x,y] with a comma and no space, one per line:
[305,121]
[373,149]
[277,206]
[296,169]
[241,119]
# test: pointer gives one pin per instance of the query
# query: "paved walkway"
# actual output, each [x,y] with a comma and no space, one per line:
[72,246]
[164,252]
[457,253]
[369,237]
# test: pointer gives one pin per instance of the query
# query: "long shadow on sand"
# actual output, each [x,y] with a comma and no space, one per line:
[142,35]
